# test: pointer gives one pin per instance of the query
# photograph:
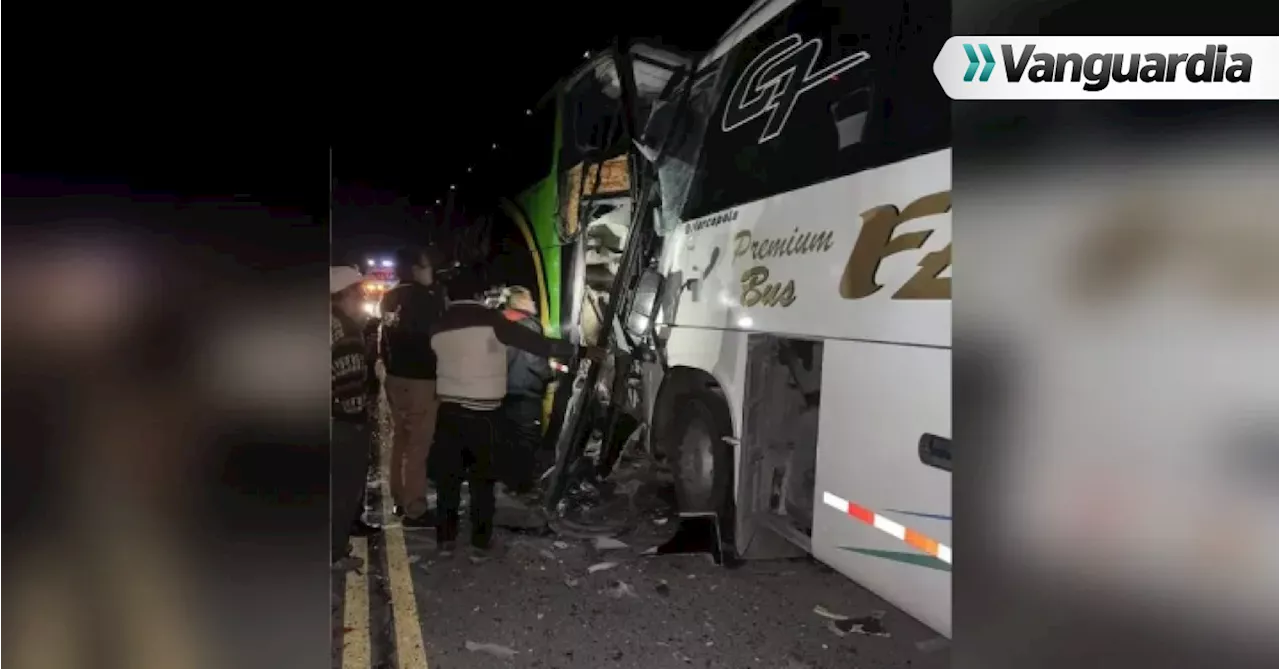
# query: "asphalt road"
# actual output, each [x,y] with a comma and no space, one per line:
[538,605]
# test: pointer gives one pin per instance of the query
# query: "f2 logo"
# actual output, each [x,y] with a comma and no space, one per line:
[771,83]
[877,241]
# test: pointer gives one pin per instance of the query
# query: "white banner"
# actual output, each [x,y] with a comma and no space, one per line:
[1109,68]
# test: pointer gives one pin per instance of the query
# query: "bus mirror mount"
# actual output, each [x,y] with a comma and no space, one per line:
[643,312]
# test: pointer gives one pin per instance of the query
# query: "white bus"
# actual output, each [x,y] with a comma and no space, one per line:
[803,391]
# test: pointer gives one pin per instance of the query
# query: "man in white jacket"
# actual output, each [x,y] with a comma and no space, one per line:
[470,343]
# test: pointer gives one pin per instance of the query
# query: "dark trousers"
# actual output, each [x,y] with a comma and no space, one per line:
[463,449]
[517,459]
[348,468]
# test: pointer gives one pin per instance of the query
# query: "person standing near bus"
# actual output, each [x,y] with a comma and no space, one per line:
[471,345]
[527,379]
[410,311]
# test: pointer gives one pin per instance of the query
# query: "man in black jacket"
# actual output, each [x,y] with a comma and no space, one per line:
[409,312]
[527,379]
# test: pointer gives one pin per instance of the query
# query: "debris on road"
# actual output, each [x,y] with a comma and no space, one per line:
[601,566]
[619,589]
[609,544]
[867,625]
[842,625]
[828,614]
[660,521]
[571,582]
[663,589]
[547,554]
[491,649]
[560,545]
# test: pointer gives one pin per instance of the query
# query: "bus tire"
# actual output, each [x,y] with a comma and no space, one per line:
[702,457]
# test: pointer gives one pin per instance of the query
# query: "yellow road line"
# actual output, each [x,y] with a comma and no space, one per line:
[355,616]
[404,606]
[410,650]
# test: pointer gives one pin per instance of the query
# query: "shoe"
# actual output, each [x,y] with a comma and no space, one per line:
[363,529]
[447,548]
[347,563]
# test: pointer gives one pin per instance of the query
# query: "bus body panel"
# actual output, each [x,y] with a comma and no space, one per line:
[877,401]
[886,379]
[740,254]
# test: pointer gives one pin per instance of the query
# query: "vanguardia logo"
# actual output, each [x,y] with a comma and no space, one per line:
[987,58]
[1043,67]
[1099,70]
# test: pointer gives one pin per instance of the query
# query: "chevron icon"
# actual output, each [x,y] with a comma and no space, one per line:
[987,57]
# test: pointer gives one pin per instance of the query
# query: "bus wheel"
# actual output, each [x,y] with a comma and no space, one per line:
[701,435]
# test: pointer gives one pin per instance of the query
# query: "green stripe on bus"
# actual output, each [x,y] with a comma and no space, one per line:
[916,559]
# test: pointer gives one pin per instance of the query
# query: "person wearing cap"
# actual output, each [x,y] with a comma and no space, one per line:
[471,343]
[409,311]
[527,379]
[349,419]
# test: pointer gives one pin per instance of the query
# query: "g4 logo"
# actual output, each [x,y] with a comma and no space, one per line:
[876,242]
[772,82]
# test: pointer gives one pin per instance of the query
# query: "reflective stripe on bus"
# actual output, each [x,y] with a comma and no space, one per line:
[890,526]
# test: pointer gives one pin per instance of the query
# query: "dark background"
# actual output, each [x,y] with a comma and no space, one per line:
[165,385]
[432,102]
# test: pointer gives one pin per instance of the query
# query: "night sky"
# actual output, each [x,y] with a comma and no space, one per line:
[397,115]
[448,101]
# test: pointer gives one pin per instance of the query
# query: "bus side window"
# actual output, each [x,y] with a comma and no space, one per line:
[819,124]
[850,114]
[917,114]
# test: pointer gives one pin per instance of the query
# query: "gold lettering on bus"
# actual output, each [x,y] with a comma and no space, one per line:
[755,290]
[756,287]
[876,241]
[797,243]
